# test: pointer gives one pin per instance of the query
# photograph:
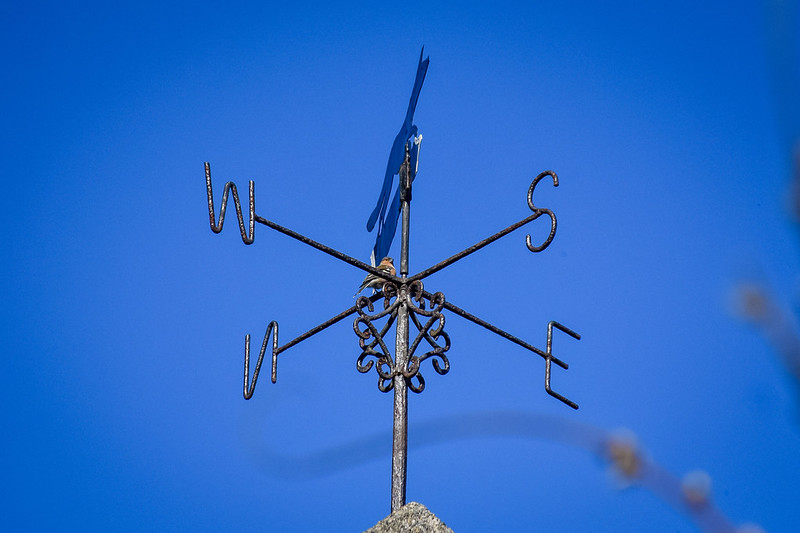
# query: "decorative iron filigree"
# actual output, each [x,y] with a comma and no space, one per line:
[383,356]
[405,301]
[431,336]
[431,330]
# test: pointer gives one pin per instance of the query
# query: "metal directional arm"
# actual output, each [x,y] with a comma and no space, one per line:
[272,328]
[405,303]
[547,355]
[494,329]
[231,187]
[537,212]
[217,227]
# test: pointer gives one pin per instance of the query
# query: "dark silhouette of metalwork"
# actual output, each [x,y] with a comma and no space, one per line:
[404,303]
[386,214]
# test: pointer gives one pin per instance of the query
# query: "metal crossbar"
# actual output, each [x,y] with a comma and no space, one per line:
[403,303]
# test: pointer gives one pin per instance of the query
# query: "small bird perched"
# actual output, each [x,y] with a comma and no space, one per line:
[374,282]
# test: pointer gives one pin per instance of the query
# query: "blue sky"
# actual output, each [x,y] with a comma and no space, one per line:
[125,315]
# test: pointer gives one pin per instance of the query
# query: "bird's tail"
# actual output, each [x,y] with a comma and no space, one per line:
[361,288]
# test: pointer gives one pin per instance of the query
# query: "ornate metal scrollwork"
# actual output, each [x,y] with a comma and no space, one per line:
[431,330]
[376,347]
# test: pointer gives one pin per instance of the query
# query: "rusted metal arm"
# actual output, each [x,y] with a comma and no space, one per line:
[537,212]
[272,328]
[547,354]
[216,227]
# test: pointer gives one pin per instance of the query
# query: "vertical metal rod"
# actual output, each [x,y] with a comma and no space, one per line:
[400,428]
[405,204]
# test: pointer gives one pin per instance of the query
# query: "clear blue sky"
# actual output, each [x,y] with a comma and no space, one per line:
[124,317]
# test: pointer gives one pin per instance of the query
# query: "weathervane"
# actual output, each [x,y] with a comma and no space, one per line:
[405,301]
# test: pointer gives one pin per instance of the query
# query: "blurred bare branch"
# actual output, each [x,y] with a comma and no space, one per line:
[755,302]
[690,495]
